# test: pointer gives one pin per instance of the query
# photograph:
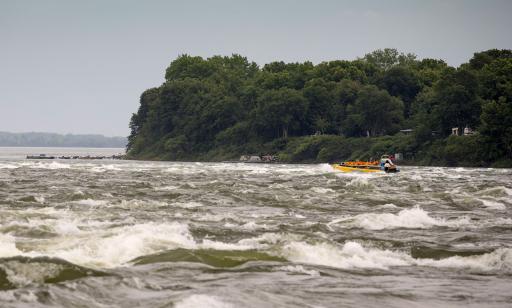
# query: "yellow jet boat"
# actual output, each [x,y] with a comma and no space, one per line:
[361,168]
[385,165]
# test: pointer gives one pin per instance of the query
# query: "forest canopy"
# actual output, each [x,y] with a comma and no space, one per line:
[385,102]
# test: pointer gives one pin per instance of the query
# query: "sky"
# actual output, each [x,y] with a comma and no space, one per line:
[74,66]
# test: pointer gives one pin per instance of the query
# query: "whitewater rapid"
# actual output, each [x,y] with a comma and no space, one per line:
[131,233]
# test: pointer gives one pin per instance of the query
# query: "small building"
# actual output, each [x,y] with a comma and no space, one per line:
[455,131]
[468,131]
[406,131]
[254,158]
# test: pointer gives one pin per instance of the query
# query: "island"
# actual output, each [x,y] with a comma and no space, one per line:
[386,102]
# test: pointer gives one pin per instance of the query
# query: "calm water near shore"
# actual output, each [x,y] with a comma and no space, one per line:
[110,233]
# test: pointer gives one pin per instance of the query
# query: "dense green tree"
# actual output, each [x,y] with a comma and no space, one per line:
[374,113]
[280,111]
[496,117]
[389,57]
[401,81]
[138,119]
[496,127]
[429,71]
[457,102]
[480,59]
[320,116]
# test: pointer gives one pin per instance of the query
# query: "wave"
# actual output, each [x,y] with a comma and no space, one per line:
[119,245]
[498,191]
[104,168]
[360,183]
[8,166]
[202,300]
[173,242]
[298,269]
[91,202]
[414,218]
[215,258]
[19,271]
[123,244]
[353,255]
[322,190]
[8,246]
[53,165]
[493,204]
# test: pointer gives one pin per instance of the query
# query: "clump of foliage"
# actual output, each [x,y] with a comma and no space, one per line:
[221,107]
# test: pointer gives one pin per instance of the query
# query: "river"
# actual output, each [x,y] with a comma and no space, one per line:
[107,233]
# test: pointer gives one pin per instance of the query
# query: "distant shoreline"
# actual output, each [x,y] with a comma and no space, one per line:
[37,139]
[59,147]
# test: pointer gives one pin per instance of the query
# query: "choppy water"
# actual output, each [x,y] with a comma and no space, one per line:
[155,234]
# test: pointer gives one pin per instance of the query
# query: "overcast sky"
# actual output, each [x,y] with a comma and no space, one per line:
[80,66]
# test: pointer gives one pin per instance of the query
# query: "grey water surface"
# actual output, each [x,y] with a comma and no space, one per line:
[106,233]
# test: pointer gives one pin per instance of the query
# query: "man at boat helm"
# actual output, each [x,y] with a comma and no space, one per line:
[386,163]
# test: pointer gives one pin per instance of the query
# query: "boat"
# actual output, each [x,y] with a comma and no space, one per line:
[40,156]
[384,165]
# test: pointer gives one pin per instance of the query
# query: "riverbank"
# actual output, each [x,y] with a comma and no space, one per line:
[454,151]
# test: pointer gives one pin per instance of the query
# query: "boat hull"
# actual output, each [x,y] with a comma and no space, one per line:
[355,169]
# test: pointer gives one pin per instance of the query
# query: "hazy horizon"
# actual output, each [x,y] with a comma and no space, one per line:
[80,67]
[44,132]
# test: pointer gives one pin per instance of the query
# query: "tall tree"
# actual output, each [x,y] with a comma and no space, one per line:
[389,57]
[375,112]
[280,111]
[401,81]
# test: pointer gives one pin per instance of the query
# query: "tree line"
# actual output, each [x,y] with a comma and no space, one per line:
[35,139]
[220,107]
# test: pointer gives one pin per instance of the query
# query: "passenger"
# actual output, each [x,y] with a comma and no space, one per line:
[389,165]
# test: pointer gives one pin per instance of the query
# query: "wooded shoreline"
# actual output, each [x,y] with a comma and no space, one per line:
[219,108]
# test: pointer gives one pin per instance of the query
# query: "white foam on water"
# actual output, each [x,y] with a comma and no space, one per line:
[166,188]
[113,247]
[493,204]
[359,183]
[387,206]
[8,166]
[498,260]
[187,205]
[8,246]
[299,269]
[66,227]
[322,190]
[91,202]
[416,177]
[498,191]
[39,199]
[213,217]
[53,165]
[209,244]
[202,300]
[263,241]
[104,168]
[350,255]
[123,244]
[326,168]
[21,274]
[15,296]
[413,218]
[354,255]
[136,203]
[252,226]
[296,215]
